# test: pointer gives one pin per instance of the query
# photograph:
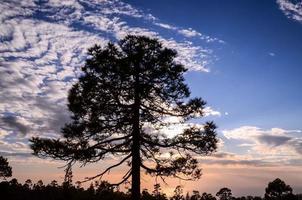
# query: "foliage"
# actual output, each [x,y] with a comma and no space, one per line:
[178,193]
[224,194]
[195,196]
[119,107]
[207,196]
[278,190]
[5,169]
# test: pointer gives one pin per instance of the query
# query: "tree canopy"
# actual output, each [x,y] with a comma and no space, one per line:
[5,169]
[121,103]
[224,194]
[278,190]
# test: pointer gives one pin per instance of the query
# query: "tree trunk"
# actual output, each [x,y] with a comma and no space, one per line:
[136,160]
[135,168]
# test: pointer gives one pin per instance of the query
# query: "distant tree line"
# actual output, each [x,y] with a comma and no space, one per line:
[103,190]
[13,190]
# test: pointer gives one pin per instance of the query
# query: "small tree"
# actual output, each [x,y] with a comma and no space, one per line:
[5,169]
[207,196]
[195,195]
[119,106]
[28,184]
[54,183]
[39,185]
[157,193]
[278,190]
[224,194]
[178,193]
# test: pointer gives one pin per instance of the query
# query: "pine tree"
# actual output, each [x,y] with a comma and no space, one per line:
[119,106]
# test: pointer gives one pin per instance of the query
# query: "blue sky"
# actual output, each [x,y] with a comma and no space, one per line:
[257,74]
[244,58]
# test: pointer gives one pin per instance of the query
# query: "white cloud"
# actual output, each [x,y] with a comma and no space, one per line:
[292,9]
[189,32]
[166,26]
[273,143]
[208,111]
[176,125]
[189,55]
[271,54]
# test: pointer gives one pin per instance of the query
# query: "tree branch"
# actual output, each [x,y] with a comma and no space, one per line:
[107,170]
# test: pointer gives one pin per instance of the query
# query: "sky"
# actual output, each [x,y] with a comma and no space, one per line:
[243,58]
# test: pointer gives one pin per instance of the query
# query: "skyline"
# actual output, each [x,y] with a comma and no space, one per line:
[242,58]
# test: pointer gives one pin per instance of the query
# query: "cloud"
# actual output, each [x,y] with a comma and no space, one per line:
[275,143]
[274,140]
[208,111]
[14,123]
[271,54]
[238,162]
[189,32]
[14,154]
[292,9]
[176,126]
[166,26]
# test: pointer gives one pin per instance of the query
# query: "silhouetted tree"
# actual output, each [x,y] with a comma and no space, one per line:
[224,194]
[91,189]
[39,185]
[103,190]
[68,177]
[178,193]
[157,193]
[5,169]
[120,104]
[54,183]
[187,196]
[195,195]
[147,196]
[206,196]
[28,184]
[278,190]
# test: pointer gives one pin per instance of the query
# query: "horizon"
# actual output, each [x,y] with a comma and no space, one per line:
[243,58]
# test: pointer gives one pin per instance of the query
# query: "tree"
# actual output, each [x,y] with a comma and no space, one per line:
[54,183]
[224,194]
[28,184]
[196,195]
[157,193]
[178,193]
[5,169]
[39,185]
[278,190]
[206,196]
[119,106]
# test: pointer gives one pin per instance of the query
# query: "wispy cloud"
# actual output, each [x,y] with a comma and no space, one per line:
[271,54]
[189,32]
